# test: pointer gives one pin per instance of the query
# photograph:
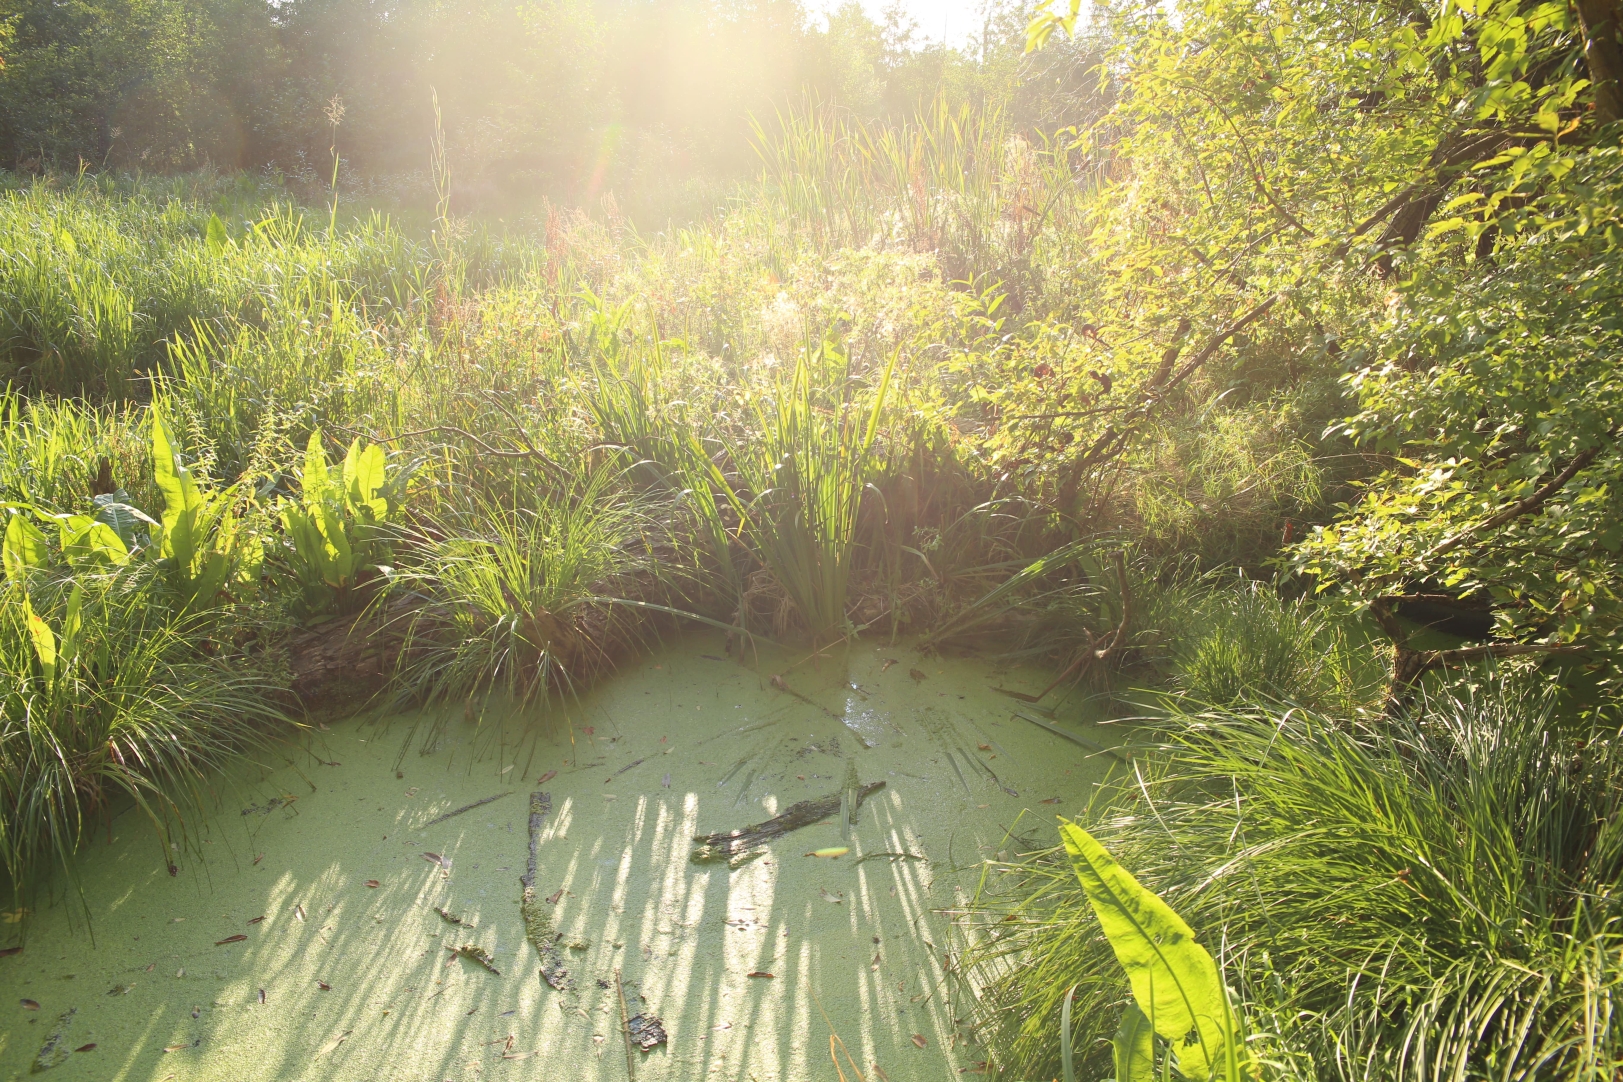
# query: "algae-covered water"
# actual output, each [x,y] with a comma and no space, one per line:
[299,938]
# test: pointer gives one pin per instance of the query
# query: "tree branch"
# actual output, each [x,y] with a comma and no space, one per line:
[1523,506]
[1113,440]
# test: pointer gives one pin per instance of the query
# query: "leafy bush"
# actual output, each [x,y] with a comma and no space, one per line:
[1496,388]
[334,526]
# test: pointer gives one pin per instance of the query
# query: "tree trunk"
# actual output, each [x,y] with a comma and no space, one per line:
[1602,23]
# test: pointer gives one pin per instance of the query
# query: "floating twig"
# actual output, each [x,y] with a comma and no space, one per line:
[625,1028]
[728,844]
[892,854]
[464,808]
[1057,731]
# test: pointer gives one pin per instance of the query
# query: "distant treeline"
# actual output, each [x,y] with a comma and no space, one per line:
[568,98]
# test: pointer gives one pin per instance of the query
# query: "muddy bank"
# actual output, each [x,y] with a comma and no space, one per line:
[322,937]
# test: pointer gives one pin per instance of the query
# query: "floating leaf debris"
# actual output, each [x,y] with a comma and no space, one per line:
[475,954]
[647,1032]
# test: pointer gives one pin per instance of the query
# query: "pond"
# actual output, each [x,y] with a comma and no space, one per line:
[306,933]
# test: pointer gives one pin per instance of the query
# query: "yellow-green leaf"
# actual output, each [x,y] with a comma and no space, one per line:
[44,642]
[1134,1047]
[364,473]
[180,496]
[216,239]
[24,547]
[1175,981]
[313,481]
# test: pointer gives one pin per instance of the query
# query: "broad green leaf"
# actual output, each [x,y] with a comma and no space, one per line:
[1175,981]
[25,547]
[340,557]
[250,555]
[44,642]
[115,510]
[181,499]
[364,474]
[308,543]
[216,239]
[87,540]
[314,480]
[210,579]
[1134,1047]
[65,240]
[72,623]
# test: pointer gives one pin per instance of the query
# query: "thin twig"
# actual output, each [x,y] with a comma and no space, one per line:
[494,452]
[518,427]
[625,1027]
[464,808]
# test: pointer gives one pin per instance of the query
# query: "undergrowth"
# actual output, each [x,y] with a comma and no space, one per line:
[1425,897]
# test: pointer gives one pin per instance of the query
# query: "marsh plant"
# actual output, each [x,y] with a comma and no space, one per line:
[806,481]
[107,702]
[523,598]
[1243,642]
[1473,845]
[335,527]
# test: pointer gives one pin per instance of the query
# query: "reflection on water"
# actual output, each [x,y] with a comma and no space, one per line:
[351,972]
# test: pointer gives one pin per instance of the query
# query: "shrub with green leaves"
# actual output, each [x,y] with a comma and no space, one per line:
[1497,389]
[334,526]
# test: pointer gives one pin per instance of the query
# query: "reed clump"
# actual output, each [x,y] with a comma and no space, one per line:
[1470,845]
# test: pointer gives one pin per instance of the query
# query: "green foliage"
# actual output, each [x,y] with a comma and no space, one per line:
[106,700]
[522,597]
[1243,643]
[52,451]
[572,100]
[1176,985]
[99,285]
[806,481]
[1495,388]
[204,543]
[334,526]
[1133,1047]
[1471,847]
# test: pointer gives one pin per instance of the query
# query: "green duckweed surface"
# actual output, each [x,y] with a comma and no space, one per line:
[322,861]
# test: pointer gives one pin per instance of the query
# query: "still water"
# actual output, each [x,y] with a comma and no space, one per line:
[302,937]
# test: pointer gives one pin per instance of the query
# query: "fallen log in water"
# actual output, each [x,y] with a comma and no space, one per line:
[729,844]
